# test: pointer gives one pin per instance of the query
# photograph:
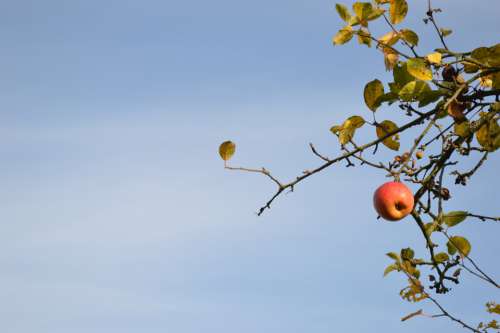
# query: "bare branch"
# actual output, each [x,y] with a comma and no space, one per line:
[262,171]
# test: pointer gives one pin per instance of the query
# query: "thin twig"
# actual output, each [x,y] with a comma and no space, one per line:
[344,156]
[262,171]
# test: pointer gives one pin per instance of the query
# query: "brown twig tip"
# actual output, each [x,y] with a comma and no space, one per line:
[315,152]
[411,315]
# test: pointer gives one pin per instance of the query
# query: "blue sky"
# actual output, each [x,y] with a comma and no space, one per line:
[117,214]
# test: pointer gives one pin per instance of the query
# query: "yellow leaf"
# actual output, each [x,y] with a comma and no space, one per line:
[372,92]
[434,58]
[486,81]
[385,128]
[390,268]
[413,90]
[363,11]
[409,36]
[389,38]
[343,36]
[495,80]
[348,128]
[226,150]
[343,12]
[390,58]
[488,135]
[462,129]
[335,129]
[419,69]
[445,32]
[376,13]
[493,308]
[364,37]
[398,11]
[346,135]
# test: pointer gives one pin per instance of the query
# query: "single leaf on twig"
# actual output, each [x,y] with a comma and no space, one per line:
[458,244]
[410,36]
[488,135]
[226,150]
[385,128]
[455,217]
[372,93]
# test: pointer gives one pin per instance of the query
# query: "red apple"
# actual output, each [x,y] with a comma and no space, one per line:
[393,201]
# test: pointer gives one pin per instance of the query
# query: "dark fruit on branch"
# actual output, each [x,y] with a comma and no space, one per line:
[449,73]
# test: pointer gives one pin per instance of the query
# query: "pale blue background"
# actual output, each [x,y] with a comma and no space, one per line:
[116,214]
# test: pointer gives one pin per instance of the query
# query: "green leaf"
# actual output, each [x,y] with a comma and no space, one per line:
[428,97]
[445,32]
[410,36]
[412,90]
[495,80]
[462,129]
[226,150]
[343,12]
[407,253]
[398,11]
[385,128]
[353,21]
[364,37]
[390,268]
[458,244]
[343,36]
[419,69]
[401,76]
[481,54]
[442,112]
[441,257]
[469,67]
[488,135]
[451,249]
[487,56]
[372,92]
[389,97]
[363,10]
[430,227]
[393,255]
[455,217]
[494,58]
